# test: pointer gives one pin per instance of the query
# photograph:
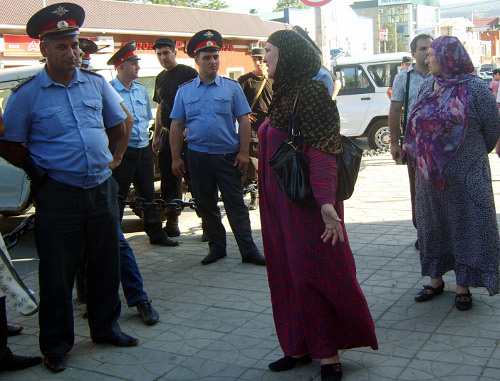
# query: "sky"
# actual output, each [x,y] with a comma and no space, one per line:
[264,6]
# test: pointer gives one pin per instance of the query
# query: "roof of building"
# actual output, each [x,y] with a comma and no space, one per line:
[143,18]
[487,21]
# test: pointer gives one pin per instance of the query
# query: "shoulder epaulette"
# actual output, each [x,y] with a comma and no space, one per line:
[139,84]
[185,83]
[15,88]
[90,72]
[234,80]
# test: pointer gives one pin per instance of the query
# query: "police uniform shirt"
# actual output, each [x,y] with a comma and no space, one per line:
[64,126]
[327,78]
[166,85]
[399,86]
[209,112]
[137,101]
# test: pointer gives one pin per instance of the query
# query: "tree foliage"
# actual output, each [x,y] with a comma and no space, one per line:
[282,4]
[390,45]
[207,4]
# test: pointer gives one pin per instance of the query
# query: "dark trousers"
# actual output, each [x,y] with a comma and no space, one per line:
[411,176]
[171,185]
[251,173]
[137,167]
[210,172]
[70,220]
[130,275]
[131,279]
[3,325]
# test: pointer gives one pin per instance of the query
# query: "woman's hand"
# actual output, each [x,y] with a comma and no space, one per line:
[333,226]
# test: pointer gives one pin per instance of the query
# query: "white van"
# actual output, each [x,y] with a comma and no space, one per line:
[15,197]
[362,101]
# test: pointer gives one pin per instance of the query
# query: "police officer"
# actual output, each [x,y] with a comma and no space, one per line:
[218,153]
[166,85]
[87,47]
[69,118]
[137,164]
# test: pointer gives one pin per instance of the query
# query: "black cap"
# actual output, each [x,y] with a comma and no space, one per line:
[56,21]
[407,59]
[87,46]
[207,39]
[258,52]
[164,42]
[126,53]
[304,34]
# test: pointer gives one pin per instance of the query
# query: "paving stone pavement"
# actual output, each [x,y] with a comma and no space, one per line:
[216,321]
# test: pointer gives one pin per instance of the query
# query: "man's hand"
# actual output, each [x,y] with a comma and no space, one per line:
[115,163]
[397,153]
[242,160]
[156,144]
[252,117]
[178,167]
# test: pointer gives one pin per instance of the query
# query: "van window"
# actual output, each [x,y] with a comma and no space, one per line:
[354,80]
[381,73]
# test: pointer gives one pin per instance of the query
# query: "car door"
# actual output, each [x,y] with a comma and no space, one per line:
[354,98]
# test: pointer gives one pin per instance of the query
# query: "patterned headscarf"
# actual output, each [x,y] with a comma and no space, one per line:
[438,122]
[298,63]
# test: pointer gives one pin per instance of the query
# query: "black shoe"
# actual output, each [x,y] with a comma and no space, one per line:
[255,258]
[288,362]
[254,204]
[148,314]
[416,245]
[172,230]
[13,330]
[123,340]
[463,302]
[331,372]
[164,241]
[55,362]
[423,296]
[9,361]
[213,257]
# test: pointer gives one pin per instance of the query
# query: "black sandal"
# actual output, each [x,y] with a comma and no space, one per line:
[423,296]
[463,302]
[331,372]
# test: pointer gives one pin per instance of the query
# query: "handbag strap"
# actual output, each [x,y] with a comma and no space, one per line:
[294,126]
[405,106]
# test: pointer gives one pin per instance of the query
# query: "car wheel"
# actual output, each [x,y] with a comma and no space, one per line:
[378,135]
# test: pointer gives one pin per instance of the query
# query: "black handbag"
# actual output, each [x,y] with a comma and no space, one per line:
[289,166]
[348,163]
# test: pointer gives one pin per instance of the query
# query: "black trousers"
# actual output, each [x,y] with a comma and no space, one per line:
[411,176]
[171,185]
[137,167]
[251,174]
[209,173]
[70,221]
[3,325]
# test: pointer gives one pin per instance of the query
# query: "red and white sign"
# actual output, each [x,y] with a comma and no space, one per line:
[315,3]
[382,35]
[21,45]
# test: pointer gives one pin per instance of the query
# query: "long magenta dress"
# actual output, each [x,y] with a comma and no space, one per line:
[318,305]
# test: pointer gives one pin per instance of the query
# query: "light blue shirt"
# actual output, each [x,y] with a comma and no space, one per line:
[399,86]
[64,126]
[209,112]
[137,101]
[325,77]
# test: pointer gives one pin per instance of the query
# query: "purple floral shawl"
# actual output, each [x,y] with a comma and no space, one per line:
[438,122]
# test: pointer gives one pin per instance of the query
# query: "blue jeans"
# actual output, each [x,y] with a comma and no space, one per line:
[131,279]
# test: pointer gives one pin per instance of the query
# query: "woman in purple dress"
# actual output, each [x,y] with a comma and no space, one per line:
[318,306]
[451,129]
